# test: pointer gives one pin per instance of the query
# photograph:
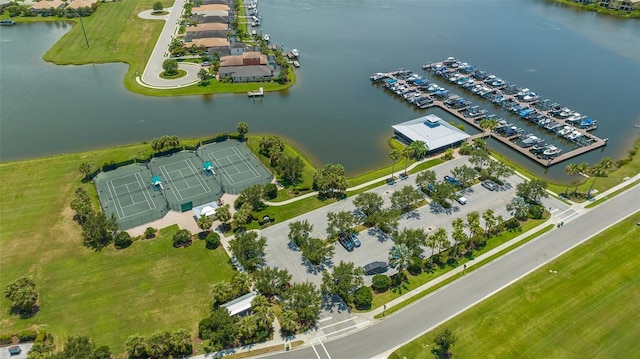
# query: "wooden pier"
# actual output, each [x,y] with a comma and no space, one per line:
[594,141]
[257,93]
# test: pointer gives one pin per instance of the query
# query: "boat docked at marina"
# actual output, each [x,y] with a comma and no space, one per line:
[551,151]
[7,22]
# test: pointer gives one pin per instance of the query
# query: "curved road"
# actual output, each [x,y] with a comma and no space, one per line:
[151,75]
[377,341]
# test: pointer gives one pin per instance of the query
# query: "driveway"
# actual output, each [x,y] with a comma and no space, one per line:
[151,75]
[375,246]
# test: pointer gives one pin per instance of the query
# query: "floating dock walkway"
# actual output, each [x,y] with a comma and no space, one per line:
[257,93]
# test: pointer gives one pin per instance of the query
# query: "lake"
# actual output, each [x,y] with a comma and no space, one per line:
[582,60]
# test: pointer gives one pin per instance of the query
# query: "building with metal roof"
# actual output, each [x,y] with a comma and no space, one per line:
[435,132]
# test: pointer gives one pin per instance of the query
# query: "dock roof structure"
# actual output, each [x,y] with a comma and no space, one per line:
[432,130]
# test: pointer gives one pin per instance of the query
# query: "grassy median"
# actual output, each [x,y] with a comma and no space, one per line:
[582,305]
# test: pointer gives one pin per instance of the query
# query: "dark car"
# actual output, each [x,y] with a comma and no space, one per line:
[452,180]
[355,240]
[375,268]
[490,185]
[346,242]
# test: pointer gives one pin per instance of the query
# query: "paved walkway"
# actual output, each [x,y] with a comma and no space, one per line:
[151,75]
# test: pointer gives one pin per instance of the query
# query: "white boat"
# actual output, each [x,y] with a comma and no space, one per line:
[565,130]
[266,38]
[296,64]
[551,151]
[295,53]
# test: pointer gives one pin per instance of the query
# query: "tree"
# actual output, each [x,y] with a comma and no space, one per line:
[414,239]
[368,202]
[479,158]
[464,174]
[458,235]
[420,149]
[122,240]
[394,156]
[330,181]
[400,257]
[532,190]
[289,321]
[22,294]
[149,233]
[407,153]
[339,222]
[437,240]
[241,283]
[81,204]
[489,220]
[221,292]
[96,231]
[223,214]
[212,241]
[363,298]
[86,169]
[518,208]
[219,328]
[204,222]
[473,221]
[305,300]
[498,170]
[136,346]
[271,281]
[247,327]
[203,75]
[252,195]
[78,347]
[270,191]
[426,178]
[385,219]
[242,216]
[488,124]
[248,249]
[180,343]
[157,6]
[243,128]
[170,66]
[380,283]
[404,198]
[266,145]
[571,169]
[599,170]
[299,232]
[317,251]
[345,278]
[443,192]
[182,238]
[444,340]
[290,169]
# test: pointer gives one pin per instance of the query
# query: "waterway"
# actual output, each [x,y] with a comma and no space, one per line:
[582,60]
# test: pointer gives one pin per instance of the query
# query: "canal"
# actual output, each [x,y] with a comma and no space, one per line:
[585,61]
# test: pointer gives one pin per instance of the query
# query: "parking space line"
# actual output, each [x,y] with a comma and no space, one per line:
[554,210]
[324,319]
[314,349]
[325,349]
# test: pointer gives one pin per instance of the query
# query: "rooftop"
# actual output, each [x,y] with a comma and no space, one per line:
[209,26]
[208,42]
[432,130]
[240,304]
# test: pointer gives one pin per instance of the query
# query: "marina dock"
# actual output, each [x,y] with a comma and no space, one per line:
[257,93]
[560,121]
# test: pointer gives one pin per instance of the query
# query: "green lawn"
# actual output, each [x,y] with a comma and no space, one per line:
[588,309]
[107,295]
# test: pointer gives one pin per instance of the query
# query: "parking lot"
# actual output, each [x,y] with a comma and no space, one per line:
[375,245]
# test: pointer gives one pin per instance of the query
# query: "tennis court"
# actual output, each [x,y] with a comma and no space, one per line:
[128,194]
[184,182]
[234,165]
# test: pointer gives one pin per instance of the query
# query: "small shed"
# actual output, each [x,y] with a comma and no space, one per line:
[242,305]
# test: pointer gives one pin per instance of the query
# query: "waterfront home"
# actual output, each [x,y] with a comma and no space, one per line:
[46,7]
[209,7]
[199,11]
[80,4]
[246,59]
[251,73]
[211,44]
[622,5]
[207,2]
[210,26]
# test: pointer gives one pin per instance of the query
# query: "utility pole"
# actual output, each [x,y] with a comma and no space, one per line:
[83,31]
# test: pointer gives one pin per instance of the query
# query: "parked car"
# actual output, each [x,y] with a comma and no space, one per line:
[452,180]
[490,185]
[461,199]
[375,268]
[346,242]
[355,240]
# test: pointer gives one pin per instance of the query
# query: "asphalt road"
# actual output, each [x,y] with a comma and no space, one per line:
[375,341]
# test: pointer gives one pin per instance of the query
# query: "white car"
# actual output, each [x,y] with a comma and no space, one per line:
[461,200]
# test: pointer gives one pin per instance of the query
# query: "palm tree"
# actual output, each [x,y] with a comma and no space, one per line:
[571,169]
[599,170]
[289,321]
[436,240]
[420,149]
[582,168]
[407,152]
[241,283]
[220,292]
[400,257]
[247,326]
[136,346]
[489,220]
[394,155]
[458,234]
[488,124]
[243,128]
[473,220]
[204,222]
[518,207]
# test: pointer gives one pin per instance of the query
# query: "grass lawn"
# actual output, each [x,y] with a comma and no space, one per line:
[587,310]
[117,34]
[107,295]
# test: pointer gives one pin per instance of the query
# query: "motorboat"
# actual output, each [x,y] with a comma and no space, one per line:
[378,76]
[587,122]
[497,83]
[531,96]
[7,22]
[551,151]
[530,140]
[295,53]
[266,38]
[565,130]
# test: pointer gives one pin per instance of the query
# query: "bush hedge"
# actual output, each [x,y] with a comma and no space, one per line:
[380,283]
[363,298]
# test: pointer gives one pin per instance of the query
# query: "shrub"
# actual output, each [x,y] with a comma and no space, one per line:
[150,232]
[448,154]
[415,267]
[536,211]
[27,335]
[238,202]
[512,224]
[270,191]
[363,298]
[42,336]
[182,238]
[213,240]
[380,283]
[122,240]
[5,339]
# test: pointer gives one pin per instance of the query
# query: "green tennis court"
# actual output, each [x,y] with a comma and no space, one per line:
[234,165]
[128,194]
[184,182]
